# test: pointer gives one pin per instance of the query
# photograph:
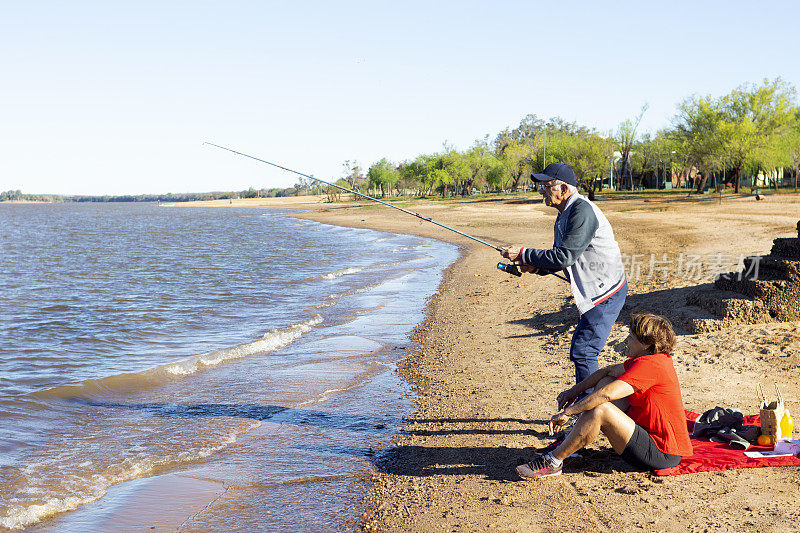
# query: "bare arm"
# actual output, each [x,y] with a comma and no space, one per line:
[613,391]
[568,396]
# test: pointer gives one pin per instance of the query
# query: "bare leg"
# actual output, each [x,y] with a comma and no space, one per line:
[609,419]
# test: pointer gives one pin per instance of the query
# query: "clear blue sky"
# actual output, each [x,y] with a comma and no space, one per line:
[117,97]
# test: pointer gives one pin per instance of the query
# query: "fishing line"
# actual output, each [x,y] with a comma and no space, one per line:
[510,268]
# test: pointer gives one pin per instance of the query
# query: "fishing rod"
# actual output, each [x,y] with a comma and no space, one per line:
[511,268]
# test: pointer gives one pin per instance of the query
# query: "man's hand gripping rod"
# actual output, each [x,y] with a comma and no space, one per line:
[510,268]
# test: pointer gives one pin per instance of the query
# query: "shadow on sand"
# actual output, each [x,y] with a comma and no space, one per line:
[667,302]
[490,462]
[306,417]
[495,463]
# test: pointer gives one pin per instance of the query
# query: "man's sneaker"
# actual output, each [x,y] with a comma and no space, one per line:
[539,467]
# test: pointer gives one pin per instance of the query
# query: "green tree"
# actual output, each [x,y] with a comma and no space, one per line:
[666,154]
[792,145]
[529,128]
[457,165]
[440,180]
[480,159]
[409,177]
[519,159]
[382,175]
[432,173]
[496,174]
[696,132]
[414,174]
[752,119]
[589,160]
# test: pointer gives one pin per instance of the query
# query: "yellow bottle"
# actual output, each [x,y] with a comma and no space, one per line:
[787,425]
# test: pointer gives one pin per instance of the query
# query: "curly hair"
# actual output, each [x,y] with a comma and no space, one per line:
[654,331]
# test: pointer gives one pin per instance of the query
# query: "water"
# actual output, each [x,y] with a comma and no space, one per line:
[235,345]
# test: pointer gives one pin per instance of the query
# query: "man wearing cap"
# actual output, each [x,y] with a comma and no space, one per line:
[585,250]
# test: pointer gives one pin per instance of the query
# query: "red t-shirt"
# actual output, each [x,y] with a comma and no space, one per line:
[656,403]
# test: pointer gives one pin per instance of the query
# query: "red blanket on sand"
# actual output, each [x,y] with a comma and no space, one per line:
[710,456]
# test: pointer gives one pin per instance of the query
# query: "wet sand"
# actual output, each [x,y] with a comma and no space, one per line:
[493,354]
[158,503]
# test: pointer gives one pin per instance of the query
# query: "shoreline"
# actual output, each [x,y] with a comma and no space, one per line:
[161,502]
[491,356]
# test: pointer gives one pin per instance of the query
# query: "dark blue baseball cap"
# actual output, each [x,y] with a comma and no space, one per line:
[557,171]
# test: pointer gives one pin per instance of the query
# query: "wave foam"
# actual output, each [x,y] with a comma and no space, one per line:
[21,516]
[339,273]
[270,341]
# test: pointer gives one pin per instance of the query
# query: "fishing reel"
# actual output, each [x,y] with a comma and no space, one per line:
[510,268]
[513,269]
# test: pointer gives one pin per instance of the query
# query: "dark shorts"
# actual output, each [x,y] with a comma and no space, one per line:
[642,452]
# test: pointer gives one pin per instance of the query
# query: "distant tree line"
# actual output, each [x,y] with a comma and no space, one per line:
[753,131]
[169,197]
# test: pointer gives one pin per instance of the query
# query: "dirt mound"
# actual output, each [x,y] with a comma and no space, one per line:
[767,289]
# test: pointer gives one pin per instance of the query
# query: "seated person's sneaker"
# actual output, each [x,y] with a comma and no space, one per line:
[540,466]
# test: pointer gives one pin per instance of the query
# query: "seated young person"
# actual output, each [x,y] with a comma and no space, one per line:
[637,405]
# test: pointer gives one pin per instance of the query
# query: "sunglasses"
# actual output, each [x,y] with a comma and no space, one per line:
[542,185]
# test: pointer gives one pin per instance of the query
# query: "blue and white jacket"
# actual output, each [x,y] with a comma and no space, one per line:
[585,249]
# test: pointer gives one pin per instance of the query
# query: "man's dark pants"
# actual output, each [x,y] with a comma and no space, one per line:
[592,332]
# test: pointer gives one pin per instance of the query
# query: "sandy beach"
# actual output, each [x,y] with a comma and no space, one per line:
[493,354]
